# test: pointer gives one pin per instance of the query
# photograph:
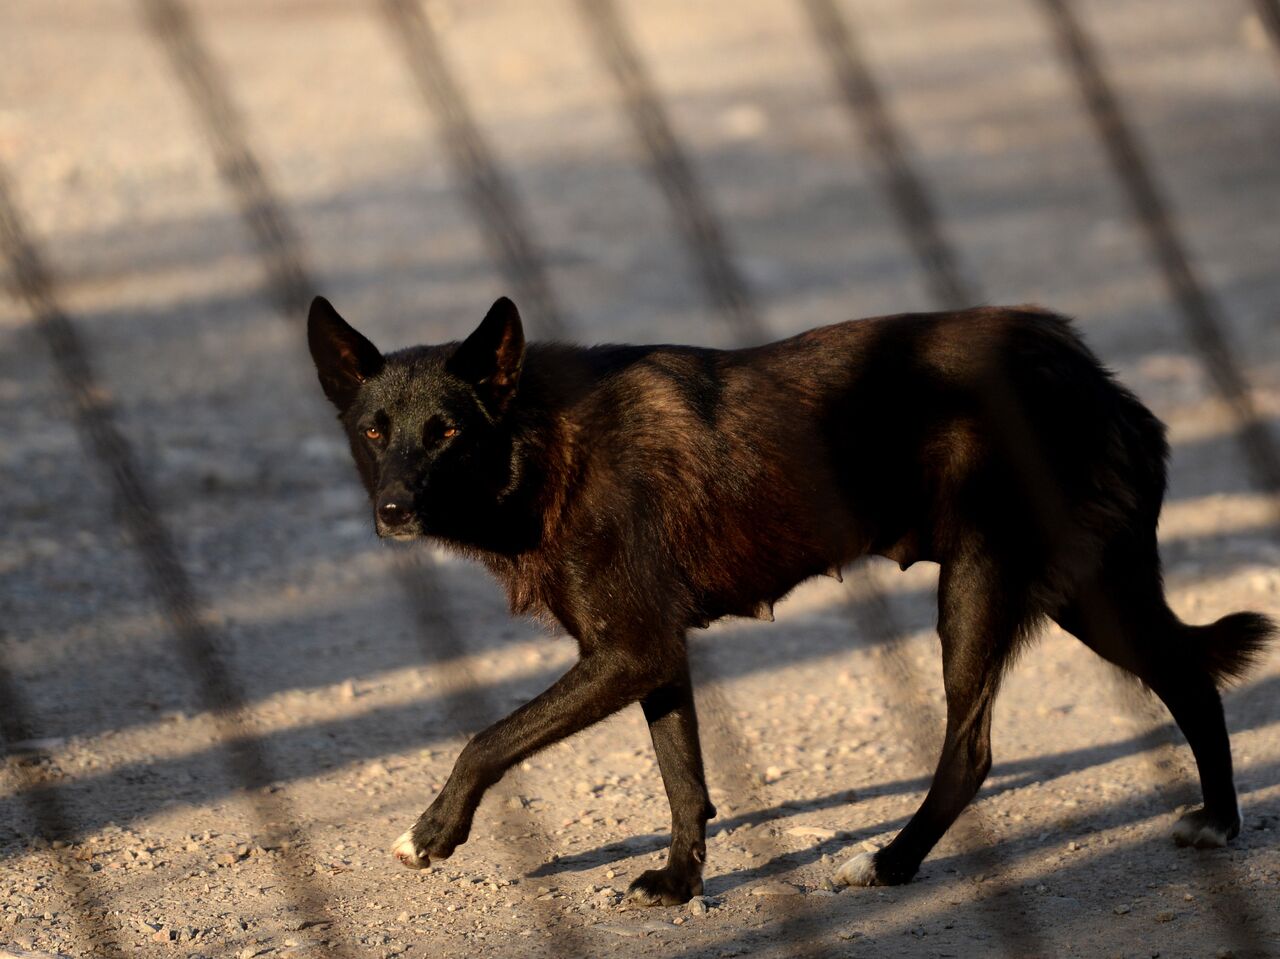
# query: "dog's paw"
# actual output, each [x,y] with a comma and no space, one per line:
[858,871]
[873,868]
[410,856]
[426,843]
[663,887]
[1203,830]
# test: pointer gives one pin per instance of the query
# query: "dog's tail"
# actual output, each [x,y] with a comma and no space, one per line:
[1230,647]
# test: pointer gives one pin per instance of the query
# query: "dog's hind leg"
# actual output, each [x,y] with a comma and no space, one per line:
[979,619]
[1124,618]
[673,724]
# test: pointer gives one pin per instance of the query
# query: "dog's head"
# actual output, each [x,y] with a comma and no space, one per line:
[428,426]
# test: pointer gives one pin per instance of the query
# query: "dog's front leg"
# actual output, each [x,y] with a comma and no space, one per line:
[597,686]
[673,724]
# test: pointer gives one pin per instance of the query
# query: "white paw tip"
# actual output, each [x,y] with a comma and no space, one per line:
[1202,837]
[1193,830]
[403,850]
[858,871]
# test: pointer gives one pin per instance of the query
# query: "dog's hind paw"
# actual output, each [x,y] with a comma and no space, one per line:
[663,887]
[859,871]
[407,852]
[1203,830]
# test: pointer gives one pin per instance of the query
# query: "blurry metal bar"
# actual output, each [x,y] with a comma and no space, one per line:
[1204,327]
[905,188]
[110,453]
[223,126]
[695,219]
[873,616]
[1201,314]
[292,285]
[1269,14]
[491,201]
[45,806]
[494,201]
[950,288]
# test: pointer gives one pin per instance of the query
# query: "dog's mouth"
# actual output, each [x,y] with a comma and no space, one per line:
[400,536]
[402,532]
[399,533]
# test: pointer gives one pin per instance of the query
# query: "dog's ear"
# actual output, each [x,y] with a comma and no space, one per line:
[344,359]
[491,357]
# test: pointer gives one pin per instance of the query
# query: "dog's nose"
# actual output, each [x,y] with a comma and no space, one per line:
[392,511]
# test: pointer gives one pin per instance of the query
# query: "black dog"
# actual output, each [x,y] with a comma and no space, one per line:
[633,492]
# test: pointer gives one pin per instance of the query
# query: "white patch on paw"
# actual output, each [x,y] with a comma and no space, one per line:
[858,871]
[1193,830]
[1201,836]
[404,850]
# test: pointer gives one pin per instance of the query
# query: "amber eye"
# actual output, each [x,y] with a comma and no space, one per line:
[450,433]
[373,433]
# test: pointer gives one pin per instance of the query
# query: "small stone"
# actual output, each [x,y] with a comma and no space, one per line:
[1121,909]
[812,832]
[1166,915]
[775,887]
[698,905]
[403,917]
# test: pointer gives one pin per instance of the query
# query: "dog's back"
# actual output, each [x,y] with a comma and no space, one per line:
[731,476]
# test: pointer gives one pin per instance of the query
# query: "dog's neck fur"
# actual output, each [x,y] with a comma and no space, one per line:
[537,500]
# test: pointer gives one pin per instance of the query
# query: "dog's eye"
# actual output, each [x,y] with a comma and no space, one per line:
[450,433]
[373,433]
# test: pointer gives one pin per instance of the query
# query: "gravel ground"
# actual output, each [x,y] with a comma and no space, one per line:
[358,712]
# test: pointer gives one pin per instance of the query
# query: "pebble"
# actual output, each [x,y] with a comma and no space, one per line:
[698,905]
[813,832]
[1121,909]
[775,887]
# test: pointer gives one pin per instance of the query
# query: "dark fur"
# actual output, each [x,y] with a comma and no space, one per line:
[633,492]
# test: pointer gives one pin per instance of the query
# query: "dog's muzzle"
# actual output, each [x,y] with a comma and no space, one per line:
[394,515]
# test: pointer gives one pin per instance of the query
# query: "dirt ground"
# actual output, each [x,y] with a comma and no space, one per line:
[811,722]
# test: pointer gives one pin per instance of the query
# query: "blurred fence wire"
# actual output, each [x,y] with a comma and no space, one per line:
[498,210]
[494,203]
[89,406]
[292,283]
[1269,14]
